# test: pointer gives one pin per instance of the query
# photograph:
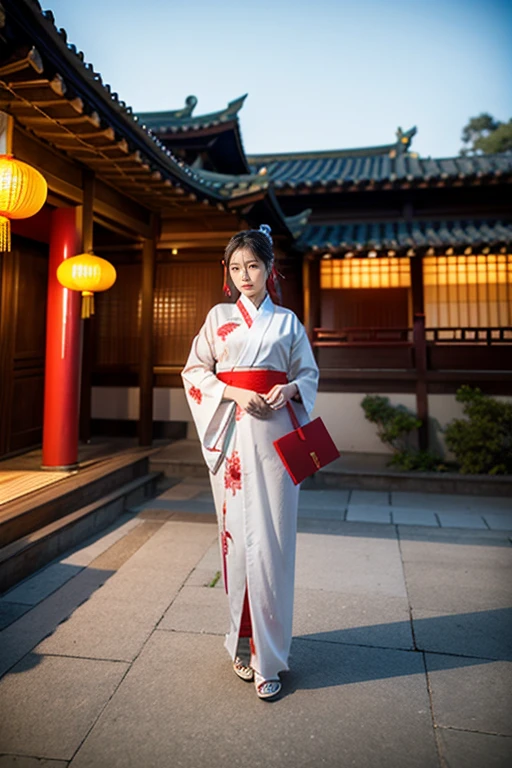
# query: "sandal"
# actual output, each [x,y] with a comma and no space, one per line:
[243,671]
[267,689]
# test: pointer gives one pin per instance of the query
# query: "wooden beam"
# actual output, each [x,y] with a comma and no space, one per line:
[420,349]
[311,293]
[146,336]
[9,271]
[6,133]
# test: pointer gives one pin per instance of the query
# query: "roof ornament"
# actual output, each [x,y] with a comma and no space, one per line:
[190,105]
[403,140]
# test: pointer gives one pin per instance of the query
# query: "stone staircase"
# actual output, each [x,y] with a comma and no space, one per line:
[37,527]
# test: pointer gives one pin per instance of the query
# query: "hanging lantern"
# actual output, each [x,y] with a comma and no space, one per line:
[86,273]
[23,193]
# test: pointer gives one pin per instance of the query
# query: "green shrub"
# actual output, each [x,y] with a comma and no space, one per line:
[396,427]
[481,443]
[419,461]
[394,422]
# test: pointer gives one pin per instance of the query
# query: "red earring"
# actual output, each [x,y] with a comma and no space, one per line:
[273,286]
[225,287]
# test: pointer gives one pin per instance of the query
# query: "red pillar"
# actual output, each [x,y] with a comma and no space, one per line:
[63,327]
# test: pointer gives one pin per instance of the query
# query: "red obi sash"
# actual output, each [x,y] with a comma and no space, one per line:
[258,380]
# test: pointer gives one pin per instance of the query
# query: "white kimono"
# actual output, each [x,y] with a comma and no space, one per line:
[255,499]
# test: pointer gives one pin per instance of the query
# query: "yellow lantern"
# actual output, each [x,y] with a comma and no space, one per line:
[87,273]
[23,193]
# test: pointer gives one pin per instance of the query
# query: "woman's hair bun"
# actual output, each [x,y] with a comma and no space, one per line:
[266,230]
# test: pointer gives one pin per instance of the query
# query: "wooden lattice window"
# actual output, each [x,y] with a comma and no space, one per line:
[365,273]
[183,295]
[468,291]
[118,319]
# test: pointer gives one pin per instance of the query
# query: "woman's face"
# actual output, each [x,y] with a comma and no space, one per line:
[249,274]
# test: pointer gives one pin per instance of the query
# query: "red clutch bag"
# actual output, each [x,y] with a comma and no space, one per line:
[307,449]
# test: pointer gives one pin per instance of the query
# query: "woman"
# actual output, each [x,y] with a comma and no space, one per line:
[247,362]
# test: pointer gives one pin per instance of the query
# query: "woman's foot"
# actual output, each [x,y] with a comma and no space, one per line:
[244,671]
[267,689]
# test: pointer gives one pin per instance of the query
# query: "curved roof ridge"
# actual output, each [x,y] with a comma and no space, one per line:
[327,154]
[179,118]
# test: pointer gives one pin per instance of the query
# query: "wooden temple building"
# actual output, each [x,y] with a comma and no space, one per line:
[399,266]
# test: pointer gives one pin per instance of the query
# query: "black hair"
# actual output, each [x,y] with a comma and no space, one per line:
[258,241]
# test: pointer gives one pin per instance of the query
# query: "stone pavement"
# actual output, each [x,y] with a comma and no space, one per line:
[113,656]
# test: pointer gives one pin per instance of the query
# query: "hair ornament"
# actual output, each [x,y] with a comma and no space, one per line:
[266,230]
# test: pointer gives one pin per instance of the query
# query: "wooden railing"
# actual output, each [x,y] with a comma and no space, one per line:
[469,335]
[343,337]
[325,337]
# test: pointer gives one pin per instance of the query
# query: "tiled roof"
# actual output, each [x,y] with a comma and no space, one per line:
[242,187]
[175,121]
[59,98]
[327,170]
[402,235]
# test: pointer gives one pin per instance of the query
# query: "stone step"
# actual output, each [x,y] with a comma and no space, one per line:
[91,482]
[337,477]
[180,459]
[350,472]
[28,553]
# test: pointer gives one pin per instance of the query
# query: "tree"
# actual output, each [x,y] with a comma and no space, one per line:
[485,135]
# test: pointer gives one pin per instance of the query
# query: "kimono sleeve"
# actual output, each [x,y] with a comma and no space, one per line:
[204,393]
[303,370]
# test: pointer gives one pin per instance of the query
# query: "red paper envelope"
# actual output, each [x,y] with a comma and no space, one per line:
[306,449]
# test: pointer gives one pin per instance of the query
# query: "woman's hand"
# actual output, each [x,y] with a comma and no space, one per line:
[280,394]
[249,401]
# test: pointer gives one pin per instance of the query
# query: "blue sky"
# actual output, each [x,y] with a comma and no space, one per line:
[321,74]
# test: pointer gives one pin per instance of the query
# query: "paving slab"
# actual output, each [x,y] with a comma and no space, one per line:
[208,570]
[10,612]
[463,577]
[171,710]
[460,519]
[453,536]
[125,611]
[201,506]
[96,545]
[198,609]
[53,702]
[365,513]
[322,513]
[34,589]
[464,749]
[471,694]
[375,498]
[356,565]
[103,629]
[187,489]
[485,634]
[343,617]
[495,503]
[459,595]
[414,516]
[50,578]
[17,761]
[202,577]
[22,635]
[159,568]
[498,522]
[323,499]
[437,501]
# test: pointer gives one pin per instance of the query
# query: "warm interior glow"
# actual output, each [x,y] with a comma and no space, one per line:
[471,291]
[361,273]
